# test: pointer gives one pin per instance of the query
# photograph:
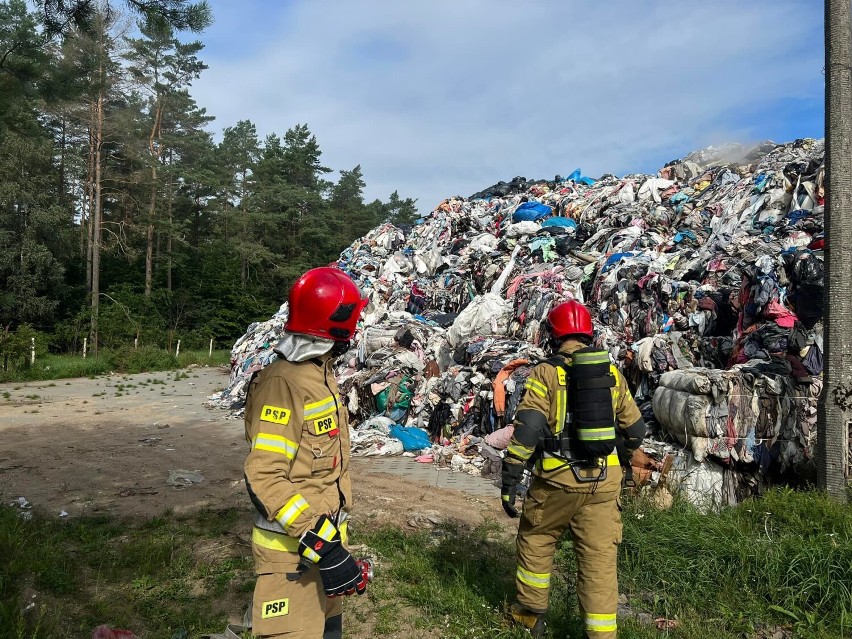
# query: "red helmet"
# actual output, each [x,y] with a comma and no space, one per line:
[570,318]
[325,302]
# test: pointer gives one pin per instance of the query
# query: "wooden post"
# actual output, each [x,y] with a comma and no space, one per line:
[177,350]
[32,351]
[85,344]
[210,352]
[136,344]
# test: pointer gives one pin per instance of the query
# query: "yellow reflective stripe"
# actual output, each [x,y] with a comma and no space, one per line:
[600,623]
[286,543]
[560,411]
[616,390]
[549,462]
[590,358]
[536,387]
[327,531]
[291,511]
[595,434]
[534,579]
[521,452]
[274,541]
[275,444]
[320,408]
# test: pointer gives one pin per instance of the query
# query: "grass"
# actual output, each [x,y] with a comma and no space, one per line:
[167,576]
[783,562]
[129,361]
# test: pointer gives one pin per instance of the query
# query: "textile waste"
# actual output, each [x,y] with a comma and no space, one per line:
[705,283]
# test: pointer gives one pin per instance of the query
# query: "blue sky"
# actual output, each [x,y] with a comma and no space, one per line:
[443,97]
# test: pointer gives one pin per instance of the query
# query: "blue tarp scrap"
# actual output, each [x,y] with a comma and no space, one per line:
[614,259]
[531,212]
[565,222]
[577,176]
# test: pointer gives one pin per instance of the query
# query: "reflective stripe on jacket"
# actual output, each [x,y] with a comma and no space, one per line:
[544,407]
[298,465]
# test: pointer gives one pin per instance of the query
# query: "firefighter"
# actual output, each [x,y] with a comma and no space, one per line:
[575,409]
[297,472]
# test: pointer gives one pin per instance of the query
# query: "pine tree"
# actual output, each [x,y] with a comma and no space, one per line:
[401,212]
[62,16]
[163,66]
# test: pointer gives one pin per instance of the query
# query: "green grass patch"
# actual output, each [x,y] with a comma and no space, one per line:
[128,361]
[171,576]
[785,558]
[781,562]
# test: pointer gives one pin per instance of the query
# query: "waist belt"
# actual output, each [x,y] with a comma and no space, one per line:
[265,535]
[555,463]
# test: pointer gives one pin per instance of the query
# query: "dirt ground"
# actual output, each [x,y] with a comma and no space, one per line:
[108,446]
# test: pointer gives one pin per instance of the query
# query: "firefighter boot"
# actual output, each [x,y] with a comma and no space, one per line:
[532,621]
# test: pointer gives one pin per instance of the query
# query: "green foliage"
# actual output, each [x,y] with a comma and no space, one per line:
[227,226]
[58,16]
[16,347]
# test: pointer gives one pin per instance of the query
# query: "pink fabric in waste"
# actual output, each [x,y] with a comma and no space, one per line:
[500,438]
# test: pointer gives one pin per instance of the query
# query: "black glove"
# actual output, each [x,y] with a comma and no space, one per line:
[339,572]
[512,473]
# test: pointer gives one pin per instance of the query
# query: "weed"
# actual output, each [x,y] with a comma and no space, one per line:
[7,394]
[33,397]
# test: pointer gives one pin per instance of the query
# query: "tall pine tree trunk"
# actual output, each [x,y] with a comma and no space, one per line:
[90,196]
[169,233]
[149,252]
[835,409]
[96,223]
[154,148]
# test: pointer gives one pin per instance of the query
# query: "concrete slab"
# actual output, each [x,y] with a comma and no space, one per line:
[431,475]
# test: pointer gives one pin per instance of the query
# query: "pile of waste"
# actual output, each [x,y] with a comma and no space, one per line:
[705,284]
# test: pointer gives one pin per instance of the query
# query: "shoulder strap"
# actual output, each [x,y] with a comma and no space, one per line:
[557,361]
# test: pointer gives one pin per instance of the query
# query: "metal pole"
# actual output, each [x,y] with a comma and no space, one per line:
[32,351]
[210,352]
[85,344]
[177,350]
[835,413]
[136,344]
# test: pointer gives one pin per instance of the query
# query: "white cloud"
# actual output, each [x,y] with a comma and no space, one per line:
[439,97]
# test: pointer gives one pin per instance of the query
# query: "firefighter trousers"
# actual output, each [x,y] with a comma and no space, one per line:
[594,522]
[286,608]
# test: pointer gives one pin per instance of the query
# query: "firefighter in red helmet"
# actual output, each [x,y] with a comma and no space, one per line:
[575,409]
[297,471]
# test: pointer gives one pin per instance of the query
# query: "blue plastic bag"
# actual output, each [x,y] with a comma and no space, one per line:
[412,438]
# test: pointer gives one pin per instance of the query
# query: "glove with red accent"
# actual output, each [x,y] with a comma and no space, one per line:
[338,570]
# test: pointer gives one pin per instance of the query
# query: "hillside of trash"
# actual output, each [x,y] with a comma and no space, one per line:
[705,282]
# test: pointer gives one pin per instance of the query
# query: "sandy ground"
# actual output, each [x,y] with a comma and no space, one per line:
[108,446]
